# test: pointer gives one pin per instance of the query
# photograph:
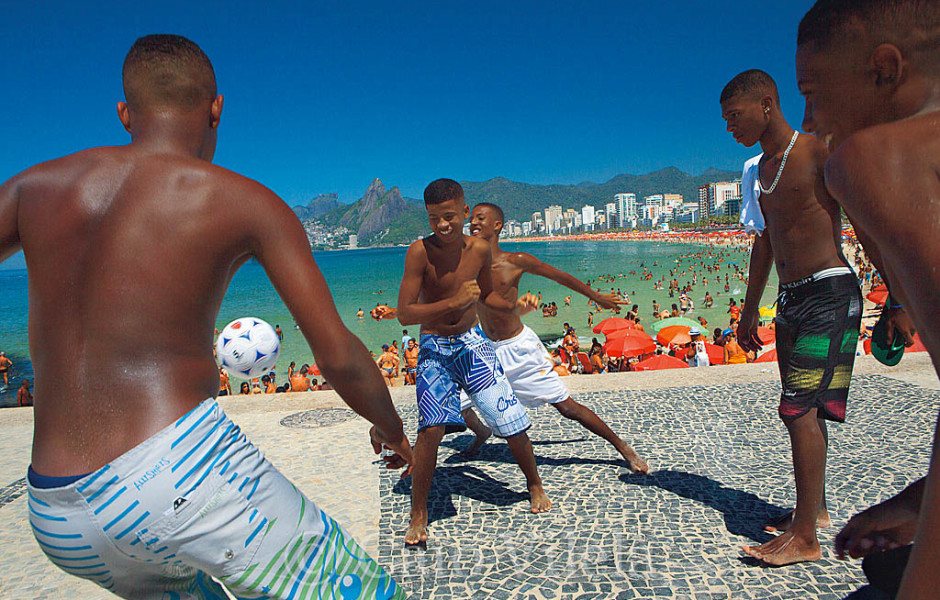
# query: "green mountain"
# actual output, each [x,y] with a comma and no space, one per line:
[317,207]
[520,200]
[384,217]
[380,217]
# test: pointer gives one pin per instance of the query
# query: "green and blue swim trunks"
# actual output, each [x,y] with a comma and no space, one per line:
[195,505]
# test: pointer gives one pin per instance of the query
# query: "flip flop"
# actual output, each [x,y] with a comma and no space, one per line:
[885,353]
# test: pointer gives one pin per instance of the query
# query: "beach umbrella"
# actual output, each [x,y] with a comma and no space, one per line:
[767,313]
[630,345]
[613,324]
[716,354]
[623,332]
[659,362]
[767,357]
[675,334]
[314,370]
[766,335]
[658,325]
[878,294]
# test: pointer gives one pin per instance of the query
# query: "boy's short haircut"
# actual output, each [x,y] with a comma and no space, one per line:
[442,190]
[912,25]
[494,208]
[167,71]
[752,82]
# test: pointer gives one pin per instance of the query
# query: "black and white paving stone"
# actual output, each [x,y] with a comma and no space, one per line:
[720,466]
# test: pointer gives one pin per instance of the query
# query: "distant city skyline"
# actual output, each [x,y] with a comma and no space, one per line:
[324,98]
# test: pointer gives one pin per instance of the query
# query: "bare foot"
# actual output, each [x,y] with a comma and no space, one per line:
[634,462]
[782,523]
[785,549]
[417,532]
[476,444]
[540,501]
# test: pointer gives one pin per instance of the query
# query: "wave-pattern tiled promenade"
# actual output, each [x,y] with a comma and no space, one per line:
[721,463]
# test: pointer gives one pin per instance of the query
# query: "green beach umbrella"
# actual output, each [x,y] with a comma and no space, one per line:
[657,325]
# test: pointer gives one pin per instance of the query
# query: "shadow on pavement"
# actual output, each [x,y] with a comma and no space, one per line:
[744,513]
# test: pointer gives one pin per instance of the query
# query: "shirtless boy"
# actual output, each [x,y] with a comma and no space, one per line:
[819,306]
[129,443]
[524,359]
[445,274]
[883,55]
[411,362]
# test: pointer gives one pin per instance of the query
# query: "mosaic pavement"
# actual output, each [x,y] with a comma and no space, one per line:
[721,466]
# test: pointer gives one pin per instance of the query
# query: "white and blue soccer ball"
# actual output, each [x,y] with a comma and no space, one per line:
[247,347]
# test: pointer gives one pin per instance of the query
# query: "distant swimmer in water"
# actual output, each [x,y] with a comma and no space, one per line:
[5,364]
[360,314]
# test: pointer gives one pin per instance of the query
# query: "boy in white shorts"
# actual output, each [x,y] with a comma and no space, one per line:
[520,352]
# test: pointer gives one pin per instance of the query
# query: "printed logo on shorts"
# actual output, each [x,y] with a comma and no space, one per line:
[503,404]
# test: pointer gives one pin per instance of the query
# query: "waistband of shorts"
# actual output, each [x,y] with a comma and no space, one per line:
[189,424]
[817,276]
[469,335]
[526,331]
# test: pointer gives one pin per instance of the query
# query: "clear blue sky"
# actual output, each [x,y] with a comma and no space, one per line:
[325,96]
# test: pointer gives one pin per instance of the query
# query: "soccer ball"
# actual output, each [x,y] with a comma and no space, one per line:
[247,347]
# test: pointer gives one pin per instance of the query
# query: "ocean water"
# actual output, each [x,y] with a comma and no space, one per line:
[362,278]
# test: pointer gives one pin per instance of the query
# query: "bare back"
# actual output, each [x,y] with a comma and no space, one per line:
[803,221]
[129,254]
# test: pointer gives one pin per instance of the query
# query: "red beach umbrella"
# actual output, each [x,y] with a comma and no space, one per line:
[767,357]
[716,354]
[630,345]
[613,324]
[878,294]
[766,335]
[314,370]
[659,362]
[674,334]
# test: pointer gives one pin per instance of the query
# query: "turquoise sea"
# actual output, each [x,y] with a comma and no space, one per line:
[362,278]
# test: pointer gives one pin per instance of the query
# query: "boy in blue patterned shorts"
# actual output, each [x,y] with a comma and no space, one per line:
[445,274]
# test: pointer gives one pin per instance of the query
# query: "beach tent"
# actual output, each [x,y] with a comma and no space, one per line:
[675,334]
[767,357]
[613,324]
[659,325]
[659,362]
[634,344]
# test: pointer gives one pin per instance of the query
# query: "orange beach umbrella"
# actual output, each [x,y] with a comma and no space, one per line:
[675,334]
[635,344]
[659,362]
[767,357]
[716,354]
[613,324]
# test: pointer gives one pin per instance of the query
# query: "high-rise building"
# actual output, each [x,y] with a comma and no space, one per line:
[713,196]
[672,200]
[626,209]
[587,217]
[552,218]
[353,241]
[611,210]
[536,223]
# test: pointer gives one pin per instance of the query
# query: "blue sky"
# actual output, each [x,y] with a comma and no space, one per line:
[324,97]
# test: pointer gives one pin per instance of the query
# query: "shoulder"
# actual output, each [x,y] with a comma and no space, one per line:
[477,245]
[418,249]
[865,158]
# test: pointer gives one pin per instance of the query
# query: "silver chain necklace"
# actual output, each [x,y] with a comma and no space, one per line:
[783,163]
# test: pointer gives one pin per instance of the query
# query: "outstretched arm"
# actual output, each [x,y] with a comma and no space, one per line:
[530,264]
[280,245]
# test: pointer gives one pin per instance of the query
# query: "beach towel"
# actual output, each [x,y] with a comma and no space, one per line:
[751,216]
